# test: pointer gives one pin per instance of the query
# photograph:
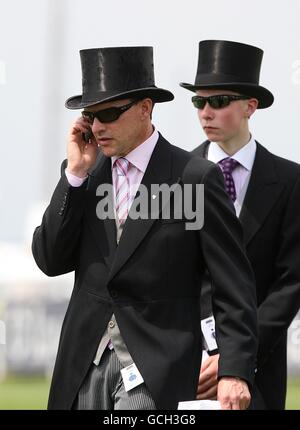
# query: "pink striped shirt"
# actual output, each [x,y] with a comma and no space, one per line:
[139,159]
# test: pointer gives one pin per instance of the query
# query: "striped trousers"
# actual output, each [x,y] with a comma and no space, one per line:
[103,388]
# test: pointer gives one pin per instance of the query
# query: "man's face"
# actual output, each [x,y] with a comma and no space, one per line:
[225,124]
[119,137]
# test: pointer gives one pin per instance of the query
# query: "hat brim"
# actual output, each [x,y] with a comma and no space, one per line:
[158,95]
[265,97]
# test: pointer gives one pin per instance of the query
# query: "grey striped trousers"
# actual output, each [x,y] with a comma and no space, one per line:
[103,388]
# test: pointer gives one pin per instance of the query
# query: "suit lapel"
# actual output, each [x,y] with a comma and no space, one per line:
[263,191]
[202,149]
[134,231]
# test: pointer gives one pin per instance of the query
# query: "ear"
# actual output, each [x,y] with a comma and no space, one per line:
[146,108]
[251,106]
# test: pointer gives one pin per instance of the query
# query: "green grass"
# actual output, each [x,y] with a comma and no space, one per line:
[32,393]
[293,394]
[24,393]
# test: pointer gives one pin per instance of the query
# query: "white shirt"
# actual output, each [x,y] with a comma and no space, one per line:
[241,174]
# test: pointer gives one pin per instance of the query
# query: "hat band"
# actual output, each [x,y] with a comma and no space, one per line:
[99,95]
[216,78]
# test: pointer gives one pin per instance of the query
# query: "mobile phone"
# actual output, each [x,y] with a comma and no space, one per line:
[87,136]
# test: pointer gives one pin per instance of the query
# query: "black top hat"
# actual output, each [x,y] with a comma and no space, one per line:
[233,66]
[117,73]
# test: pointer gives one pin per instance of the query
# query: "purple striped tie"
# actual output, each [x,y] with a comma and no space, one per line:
[228,165]
[122,166]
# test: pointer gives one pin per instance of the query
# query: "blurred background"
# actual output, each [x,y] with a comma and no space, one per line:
[40,69]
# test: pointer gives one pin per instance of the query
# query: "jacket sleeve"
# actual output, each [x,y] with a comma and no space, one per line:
[233,287]
[282,303]
[55,241]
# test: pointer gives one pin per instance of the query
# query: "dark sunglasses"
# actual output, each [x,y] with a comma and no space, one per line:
[216,102]
[107,115]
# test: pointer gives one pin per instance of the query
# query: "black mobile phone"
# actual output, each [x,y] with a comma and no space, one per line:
[87,136]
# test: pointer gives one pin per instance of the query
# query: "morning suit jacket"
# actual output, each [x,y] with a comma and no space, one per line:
[151,281]
[271,225]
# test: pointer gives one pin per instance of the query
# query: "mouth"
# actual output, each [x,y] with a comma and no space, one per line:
[209,128]
[103,140]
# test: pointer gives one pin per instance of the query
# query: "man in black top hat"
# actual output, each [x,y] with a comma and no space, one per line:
[131,337]
[265,190]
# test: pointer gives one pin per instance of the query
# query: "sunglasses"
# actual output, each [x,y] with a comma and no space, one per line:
[216,102]
[107,115]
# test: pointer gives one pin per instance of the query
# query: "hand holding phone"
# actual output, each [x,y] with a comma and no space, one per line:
[82,149]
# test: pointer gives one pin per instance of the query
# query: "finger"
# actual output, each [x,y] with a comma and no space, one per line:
[78,129]
[205,378]
[85,121]
[209,374]
[80,126]
[203,386]
[235,405]
[223,396]
[235,400]
[210,394]
[226,405]
[205,364]
[243,396]
[245,403]
[82,120]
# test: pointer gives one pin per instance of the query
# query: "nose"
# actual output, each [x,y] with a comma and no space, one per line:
[207,113]
[98,126]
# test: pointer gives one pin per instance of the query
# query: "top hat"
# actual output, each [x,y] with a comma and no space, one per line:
[232,66]
[116,73]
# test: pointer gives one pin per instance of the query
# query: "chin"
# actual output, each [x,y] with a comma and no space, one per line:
[212,136]
[108,152]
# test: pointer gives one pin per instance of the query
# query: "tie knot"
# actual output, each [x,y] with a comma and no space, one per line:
[228,165]
[122,165]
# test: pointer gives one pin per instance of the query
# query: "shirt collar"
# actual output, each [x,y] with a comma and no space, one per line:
[140,156]
[245,156]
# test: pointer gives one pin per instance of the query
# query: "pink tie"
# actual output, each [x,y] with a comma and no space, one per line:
[122,166]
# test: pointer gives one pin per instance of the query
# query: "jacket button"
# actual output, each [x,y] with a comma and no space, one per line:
[111,324]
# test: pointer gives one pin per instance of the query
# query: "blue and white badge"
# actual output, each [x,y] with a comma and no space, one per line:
[131,377]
